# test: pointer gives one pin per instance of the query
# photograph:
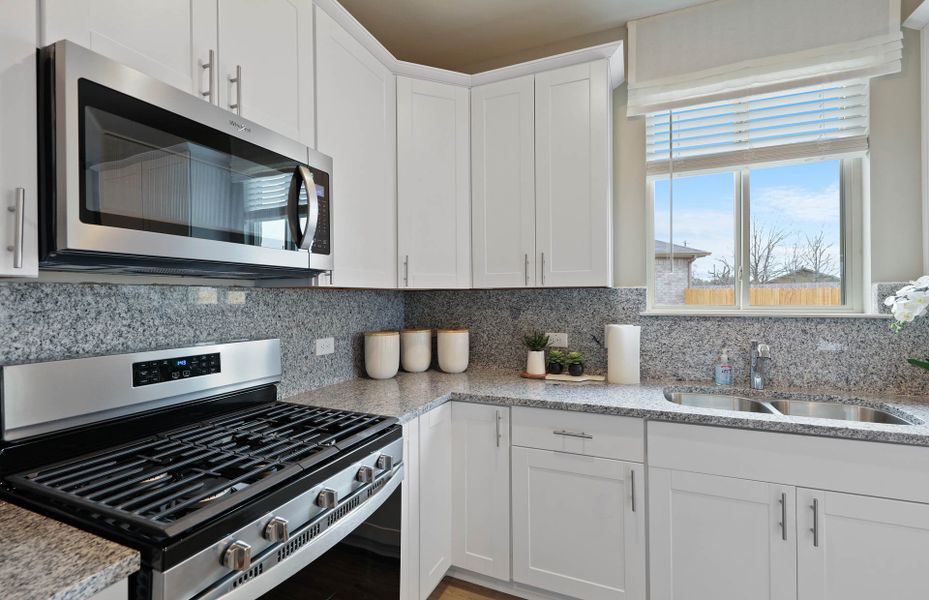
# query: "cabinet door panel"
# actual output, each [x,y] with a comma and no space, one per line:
[720,538]
[409,526]
[435,502]
[503,183]
[272,41]
[574,528]
[867,547]
[481,489]
[356,106]
[573,175]
[168,40]
[433,185]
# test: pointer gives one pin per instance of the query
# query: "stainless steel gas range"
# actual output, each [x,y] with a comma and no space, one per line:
[187,456]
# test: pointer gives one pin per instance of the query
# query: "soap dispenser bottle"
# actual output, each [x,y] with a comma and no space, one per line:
[724,370]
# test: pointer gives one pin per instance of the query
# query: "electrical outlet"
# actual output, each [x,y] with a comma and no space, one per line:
[558,340]
[325,346]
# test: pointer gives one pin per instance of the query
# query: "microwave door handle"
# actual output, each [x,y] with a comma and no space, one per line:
[303,177]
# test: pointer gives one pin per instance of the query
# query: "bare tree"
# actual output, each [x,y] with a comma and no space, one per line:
[795,260]
[722,272]
[817,255]
[762,259]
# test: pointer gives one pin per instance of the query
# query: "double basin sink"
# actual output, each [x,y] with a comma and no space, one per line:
[794,408]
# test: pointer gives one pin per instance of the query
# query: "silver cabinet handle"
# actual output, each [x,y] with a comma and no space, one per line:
[815,529]
[526,269]
[208,67]
[632,487]
[406,270]
[543,268]
[577,434]
[499,435]
[19,217]
[783,522]
[237,80]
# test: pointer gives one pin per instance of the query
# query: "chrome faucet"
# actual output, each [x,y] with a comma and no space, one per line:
[761,354]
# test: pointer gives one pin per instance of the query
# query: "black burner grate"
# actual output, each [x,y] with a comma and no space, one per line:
[174,480]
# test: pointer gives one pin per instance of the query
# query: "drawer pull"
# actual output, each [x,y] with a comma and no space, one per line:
[577,434]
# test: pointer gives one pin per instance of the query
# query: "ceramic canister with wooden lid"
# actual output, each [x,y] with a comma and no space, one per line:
[415,349]
[382,354]
[453,349]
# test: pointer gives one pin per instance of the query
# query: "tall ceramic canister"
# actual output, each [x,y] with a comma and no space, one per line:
[415,349]
[453,350]
[382,354]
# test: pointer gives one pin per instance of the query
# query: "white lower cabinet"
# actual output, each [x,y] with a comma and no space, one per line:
[578,524]
[481,489]
[861,548]
[409,519]
[435,501]
[720,538]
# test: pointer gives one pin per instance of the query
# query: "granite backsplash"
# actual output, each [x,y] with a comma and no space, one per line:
[48,321]
[858,354]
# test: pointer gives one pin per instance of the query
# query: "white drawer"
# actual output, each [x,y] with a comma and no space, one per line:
[606,436]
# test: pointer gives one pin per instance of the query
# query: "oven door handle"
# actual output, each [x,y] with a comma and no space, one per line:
[302,236]
[299,559]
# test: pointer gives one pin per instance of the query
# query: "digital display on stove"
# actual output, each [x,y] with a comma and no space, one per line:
[175,369]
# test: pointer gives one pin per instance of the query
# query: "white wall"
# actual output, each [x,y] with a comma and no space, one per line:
[896,200]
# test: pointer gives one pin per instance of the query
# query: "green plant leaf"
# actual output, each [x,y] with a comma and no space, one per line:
[922,364]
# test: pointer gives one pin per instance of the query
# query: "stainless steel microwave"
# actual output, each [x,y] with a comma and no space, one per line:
[141,177]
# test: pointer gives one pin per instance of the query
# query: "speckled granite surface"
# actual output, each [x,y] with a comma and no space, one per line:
[42,558]
[411,394]
[49,321]
[857,354]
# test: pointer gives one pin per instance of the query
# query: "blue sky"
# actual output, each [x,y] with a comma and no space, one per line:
[802,199]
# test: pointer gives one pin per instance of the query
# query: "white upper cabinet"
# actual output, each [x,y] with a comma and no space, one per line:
[169,40]
[572,171]
[269,44]
[433,185]
[18,177]
[503,183]
[356,113]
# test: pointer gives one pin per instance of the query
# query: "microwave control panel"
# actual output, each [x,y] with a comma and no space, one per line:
[174,369]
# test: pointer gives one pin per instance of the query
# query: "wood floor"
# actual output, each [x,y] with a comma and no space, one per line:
[455,589]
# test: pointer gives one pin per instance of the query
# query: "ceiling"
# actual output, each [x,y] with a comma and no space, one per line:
[471,36]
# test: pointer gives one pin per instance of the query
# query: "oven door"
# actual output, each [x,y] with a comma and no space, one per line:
[144,170]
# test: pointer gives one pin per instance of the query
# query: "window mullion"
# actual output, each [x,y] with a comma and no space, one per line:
[744,239]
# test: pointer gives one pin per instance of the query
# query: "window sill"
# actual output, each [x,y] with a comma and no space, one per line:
[799,314]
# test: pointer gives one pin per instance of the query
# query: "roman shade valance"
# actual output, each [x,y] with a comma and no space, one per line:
[735,48]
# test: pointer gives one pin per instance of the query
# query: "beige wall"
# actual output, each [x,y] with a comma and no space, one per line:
[896,198]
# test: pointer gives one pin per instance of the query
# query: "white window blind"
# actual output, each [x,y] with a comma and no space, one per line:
[794,124]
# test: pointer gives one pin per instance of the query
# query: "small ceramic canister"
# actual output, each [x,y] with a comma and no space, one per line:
[453,350]
[382,354]
[415,349]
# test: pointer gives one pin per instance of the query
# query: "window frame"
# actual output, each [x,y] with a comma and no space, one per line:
[853,178]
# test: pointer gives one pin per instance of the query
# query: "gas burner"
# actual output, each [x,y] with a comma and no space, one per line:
[155,478]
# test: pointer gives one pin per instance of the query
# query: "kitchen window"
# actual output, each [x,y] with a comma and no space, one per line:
[755,204]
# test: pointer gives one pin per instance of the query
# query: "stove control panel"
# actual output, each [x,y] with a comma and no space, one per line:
[173,369]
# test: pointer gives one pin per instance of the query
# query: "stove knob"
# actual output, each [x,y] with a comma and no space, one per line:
[276,530]
[365,475]
[238,556]
[327,498]
[385,462]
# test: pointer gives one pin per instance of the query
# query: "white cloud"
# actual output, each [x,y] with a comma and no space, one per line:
[799,203]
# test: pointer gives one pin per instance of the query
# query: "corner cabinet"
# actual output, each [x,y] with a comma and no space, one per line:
[18,176]
[433,185]
[356,114]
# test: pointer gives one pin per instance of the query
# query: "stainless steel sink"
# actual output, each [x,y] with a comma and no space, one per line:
[835,410]
[718,401]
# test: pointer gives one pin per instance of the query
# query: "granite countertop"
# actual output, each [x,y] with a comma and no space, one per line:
[42,558]
[411,394]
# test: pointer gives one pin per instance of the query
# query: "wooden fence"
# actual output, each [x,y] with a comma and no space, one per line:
[763,296]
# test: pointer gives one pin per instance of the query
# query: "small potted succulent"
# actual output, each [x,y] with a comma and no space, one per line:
[575,362]
[556,362]
[536,342]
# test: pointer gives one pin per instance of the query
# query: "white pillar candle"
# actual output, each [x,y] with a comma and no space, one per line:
[623,355]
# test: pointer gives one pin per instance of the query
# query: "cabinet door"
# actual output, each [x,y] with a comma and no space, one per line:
[272,43]
[720,538]
[169,40]
[356,113]
[576,528]
[863,547]
[481,489]
[433,185]
[503,183]
[573,138]
[435,501]
[18,178]
[409,521]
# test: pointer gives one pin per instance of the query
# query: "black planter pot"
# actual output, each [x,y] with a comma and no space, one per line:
[576,369]
[555,368]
